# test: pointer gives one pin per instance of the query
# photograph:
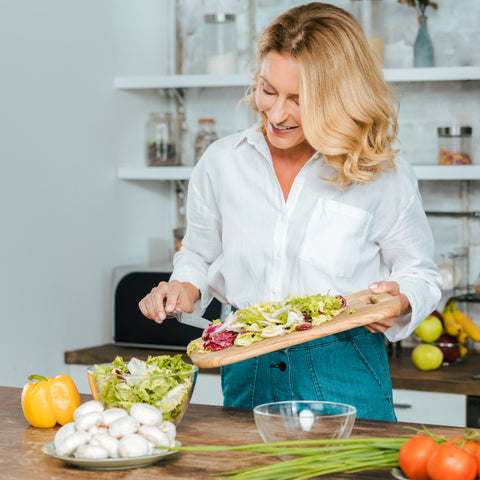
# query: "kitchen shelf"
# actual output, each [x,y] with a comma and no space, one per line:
[432,74]
[447,172]
[154,173]
[180,81]
[423,172]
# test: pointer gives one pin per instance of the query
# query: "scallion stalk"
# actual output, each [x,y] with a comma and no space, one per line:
[311,458]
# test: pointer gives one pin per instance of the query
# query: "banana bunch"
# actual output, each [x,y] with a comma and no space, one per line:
[459,325]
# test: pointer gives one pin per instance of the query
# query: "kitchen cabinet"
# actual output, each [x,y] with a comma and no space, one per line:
[430,407]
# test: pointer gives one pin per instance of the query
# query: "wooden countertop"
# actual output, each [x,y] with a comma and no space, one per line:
[21,456]
[453,379]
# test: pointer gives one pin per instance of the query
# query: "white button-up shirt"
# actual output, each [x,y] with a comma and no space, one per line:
[245,244]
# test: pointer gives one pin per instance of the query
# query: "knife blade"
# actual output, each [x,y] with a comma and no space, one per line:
[190,319]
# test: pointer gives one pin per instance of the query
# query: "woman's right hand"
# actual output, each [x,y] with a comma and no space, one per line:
[167,297]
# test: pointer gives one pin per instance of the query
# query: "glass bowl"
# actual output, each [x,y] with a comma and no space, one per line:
[169,392]
[303,420]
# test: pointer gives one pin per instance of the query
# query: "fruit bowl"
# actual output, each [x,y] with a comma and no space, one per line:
[169,388]
[452,350]
[302,420]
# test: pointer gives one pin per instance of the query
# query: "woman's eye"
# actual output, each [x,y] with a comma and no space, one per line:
[268,92]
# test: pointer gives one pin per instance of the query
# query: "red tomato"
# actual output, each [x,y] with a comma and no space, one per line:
[468,445]
[450,462]
[414,455]
[477,458]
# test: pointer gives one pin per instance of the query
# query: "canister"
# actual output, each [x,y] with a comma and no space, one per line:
[221,44]
[161,140]
[370,15]
[455,145]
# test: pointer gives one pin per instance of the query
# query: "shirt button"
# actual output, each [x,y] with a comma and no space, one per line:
[279,254]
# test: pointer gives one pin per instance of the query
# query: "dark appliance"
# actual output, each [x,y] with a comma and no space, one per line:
[131,328]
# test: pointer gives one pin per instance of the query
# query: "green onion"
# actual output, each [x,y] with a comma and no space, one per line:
[311,458]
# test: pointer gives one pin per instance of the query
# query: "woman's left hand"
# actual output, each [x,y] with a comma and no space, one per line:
[393,289]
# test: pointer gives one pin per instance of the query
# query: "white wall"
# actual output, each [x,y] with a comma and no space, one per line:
[66,220]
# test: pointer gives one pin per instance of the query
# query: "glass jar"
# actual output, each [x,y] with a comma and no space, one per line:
[455,145]
[205,136]
[161,140]
[220,45]
[370,15]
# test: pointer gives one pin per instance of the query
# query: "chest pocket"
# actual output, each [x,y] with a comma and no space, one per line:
[334,238]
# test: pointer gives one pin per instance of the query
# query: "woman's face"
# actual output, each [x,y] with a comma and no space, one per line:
[277,101]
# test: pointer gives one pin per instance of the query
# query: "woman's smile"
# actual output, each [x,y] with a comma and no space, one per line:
[277,101]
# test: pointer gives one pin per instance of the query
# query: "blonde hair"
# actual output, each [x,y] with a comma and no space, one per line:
[347,110]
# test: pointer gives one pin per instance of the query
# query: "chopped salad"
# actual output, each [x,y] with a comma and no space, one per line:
[163,381]
[269,319]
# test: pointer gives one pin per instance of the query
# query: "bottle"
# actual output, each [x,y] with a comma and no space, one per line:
[205,136]
[161,140]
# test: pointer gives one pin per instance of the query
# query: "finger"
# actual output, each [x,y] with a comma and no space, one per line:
[154,302]
[385,287]
[144,309]
[173,296]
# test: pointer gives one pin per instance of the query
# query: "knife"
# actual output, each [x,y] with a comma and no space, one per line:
[190,319]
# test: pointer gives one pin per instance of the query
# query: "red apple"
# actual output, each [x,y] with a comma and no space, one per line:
[449,347]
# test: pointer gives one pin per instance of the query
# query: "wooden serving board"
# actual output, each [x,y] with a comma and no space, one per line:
[369,308]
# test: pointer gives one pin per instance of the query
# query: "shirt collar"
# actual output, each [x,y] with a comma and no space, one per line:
[252,135]
[255,137]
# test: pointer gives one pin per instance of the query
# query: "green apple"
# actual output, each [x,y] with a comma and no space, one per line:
[427,357]
[430,329]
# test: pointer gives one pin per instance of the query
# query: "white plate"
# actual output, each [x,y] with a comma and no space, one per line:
[109,463]
[398,474]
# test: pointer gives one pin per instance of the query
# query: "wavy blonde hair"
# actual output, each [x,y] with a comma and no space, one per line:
[347,109]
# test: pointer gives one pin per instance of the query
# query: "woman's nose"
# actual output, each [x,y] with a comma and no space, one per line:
[278,112]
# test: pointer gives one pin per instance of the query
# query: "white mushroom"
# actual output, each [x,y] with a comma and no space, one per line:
[107,442]
[146,414]
[63,432]
[88,407]
[153,434]
[133,445]
[111,414]
[123,426]
[91,451]
[169,428]
[84,423]
[70,443]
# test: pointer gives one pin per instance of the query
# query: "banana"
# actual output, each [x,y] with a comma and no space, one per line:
[462,337]
[452,327]
[470,327]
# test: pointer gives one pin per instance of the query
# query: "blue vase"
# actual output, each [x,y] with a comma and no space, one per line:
[423,47]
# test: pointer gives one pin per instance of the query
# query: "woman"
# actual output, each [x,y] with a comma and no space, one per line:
[311,200]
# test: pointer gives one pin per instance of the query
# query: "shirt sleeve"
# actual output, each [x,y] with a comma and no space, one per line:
[407,249]
[201,244]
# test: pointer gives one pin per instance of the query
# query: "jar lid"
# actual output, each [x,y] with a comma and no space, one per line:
[219,17]
[454,131]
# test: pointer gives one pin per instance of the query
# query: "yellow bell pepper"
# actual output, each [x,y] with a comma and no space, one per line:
[49,401]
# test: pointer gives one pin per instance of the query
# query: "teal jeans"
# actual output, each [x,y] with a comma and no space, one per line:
[349,367]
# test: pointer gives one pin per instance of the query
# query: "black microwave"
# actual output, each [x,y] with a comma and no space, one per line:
[131,328]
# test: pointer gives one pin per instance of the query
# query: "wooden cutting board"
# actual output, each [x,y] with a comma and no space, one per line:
[369,308]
